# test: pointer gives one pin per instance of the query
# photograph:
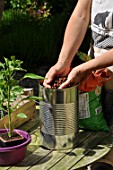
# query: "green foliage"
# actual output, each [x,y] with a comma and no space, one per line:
[10,88]
[21,115]
[33,76]
[31,7]
[32,35]
[55,7]
[35,41]
[20,4]
[8,85]
[84,57]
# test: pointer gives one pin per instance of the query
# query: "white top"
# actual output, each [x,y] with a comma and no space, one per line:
[102,23]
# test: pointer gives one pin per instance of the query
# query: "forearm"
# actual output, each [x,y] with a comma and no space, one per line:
[103,61]
[72,40]
[75,31]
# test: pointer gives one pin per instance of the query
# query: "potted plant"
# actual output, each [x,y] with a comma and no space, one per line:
[13,141]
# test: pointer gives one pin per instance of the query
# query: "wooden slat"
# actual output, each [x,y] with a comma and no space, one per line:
[56,156]
[4,167]
[38,158]
[30,160]
[47,162]
[28,108]
[95,154]
[78,153]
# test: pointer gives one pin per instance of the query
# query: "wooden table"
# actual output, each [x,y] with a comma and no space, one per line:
[91,147]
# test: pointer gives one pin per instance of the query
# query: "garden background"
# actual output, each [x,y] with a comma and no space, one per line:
[33,31]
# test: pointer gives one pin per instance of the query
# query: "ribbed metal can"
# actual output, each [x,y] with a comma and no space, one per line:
[59,118]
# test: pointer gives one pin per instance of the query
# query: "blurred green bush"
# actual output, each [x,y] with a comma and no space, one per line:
[36,41]
[35,37]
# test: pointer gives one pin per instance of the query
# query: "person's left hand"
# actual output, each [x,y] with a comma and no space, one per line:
[74,77]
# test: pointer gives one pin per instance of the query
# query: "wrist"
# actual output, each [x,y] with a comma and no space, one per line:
[65,62]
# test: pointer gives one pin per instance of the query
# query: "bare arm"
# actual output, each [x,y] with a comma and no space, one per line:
[75,30]
[80,72]
[102,61]
[74,34]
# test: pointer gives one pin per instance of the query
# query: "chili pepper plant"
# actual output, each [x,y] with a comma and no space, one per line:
[10,89]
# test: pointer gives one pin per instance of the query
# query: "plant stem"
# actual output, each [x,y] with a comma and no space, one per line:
[9,114]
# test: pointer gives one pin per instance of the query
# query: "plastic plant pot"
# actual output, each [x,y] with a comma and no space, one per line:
[14,154]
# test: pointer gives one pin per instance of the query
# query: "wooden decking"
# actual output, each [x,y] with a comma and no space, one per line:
[91,146]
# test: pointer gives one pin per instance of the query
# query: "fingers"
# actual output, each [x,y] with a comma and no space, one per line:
[68,83]
[65,84]
[72,80]
[47,81]
[55,71]
[49,78]
[46,85]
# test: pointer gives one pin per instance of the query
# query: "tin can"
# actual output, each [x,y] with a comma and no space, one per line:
[59,117]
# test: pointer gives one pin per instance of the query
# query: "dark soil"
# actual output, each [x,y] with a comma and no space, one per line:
[6,141]
[55,84]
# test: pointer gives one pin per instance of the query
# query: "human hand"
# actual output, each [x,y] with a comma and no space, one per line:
[77,75]
[58,70]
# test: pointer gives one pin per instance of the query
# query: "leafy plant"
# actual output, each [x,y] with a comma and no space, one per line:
[31,7]
[10,88]
[18,32]
[83,56]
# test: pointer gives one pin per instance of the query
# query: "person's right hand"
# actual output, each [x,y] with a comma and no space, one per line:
[58,70]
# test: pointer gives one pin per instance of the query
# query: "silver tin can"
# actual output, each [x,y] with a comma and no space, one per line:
[59,118]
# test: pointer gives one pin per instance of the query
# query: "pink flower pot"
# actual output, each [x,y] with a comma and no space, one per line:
[13,155]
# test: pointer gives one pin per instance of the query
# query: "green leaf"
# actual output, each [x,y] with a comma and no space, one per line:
[1,65]
[83,56]
[13,58]
[22,115]
[33,76]
[32,98]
